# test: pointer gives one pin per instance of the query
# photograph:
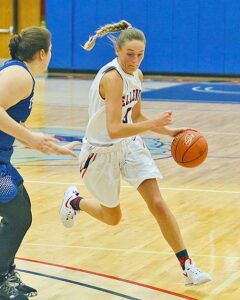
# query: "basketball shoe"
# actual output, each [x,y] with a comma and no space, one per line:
[9,292]
[67,213]
[193,276]
[15,280]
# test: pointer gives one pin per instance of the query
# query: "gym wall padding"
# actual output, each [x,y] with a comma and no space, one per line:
[60,22]
[183,36]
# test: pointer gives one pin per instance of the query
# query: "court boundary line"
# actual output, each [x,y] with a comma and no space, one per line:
[128,186]
[126,250]
[108,276]
[94,287]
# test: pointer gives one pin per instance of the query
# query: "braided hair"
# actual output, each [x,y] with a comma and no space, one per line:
[127,33]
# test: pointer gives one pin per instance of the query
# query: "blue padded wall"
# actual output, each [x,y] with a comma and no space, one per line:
[232,34]
[159,36]
[59,22]
[211,36]
[183,36]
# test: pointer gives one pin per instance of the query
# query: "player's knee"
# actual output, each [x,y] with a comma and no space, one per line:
[158,207]
[112,216]
[24,222]
[28,221]
[113,220]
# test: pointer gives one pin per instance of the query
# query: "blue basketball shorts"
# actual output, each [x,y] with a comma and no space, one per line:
[10,179]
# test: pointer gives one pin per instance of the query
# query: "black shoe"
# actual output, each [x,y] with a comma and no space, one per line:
[15,280]
[9,292]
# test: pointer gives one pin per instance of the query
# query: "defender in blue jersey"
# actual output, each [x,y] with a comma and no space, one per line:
[31,52]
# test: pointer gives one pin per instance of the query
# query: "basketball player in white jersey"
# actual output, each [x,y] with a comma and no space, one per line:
[112,146]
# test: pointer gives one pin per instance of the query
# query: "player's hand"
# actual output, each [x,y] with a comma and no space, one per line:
[67,149]
[48,144]
[53,148]
[175,131]
[163,120]
[40,141]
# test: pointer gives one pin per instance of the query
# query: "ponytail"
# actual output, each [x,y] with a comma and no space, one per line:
[14,45]
[109,28]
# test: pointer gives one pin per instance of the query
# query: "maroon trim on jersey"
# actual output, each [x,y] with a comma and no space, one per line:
[89,160]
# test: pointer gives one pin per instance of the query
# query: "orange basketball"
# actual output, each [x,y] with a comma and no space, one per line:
[189,148]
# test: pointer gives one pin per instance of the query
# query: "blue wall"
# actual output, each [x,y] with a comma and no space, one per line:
[183,36]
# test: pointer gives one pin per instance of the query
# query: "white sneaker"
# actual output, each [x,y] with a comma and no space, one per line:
[67,213]
[193,276]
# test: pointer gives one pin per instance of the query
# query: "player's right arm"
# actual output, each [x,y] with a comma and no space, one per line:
[111,89]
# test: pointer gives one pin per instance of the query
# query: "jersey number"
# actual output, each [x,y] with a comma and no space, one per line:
[125,119]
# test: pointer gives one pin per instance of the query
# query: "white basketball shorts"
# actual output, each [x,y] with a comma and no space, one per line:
[101,168]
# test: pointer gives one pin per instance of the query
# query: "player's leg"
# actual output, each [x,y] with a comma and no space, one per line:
[108,215]
[101,176]
[141,172]
[73,203]
[16,219]
[13,275]
[150,192]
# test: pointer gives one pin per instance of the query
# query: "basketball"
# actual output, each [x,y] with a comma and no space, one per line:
[189,148]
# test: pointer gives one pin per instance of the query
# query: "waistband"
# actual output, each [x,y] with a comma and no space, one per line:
[97,148]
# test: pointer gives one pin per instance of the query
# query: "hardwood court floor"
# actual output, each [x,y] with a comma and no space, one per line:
[94,261]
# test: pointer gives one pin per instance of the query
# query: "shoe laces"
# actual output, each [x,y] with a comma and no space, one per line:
[14,279]
[194,270]
[74,193]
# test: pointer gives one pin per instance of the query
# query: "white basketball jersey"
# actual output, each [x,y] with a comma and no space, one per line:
[96,132]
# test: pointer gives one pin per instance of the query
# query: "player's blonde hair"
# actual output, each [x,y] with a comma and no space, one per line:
[128,33]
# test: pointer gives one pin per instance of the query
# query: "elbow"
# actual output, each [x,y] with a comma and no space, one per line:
[113,133]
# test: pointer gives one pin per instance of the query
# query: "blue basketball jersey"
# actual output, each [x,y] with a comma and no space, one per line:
[9,176]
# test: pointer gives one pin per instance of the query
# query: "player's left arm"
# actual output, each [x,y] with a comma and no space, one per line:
[138,116]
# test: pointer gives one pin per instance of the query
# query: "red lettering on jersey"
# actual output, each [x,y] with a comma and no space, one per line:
[123,101]
[132,96]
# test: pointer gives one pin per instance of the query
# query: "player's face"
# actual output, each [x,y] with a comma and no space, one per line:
[131,55]
[47,57]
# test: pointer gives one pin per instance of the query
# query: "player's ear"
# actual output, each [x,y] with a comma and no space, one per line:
[42,54]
